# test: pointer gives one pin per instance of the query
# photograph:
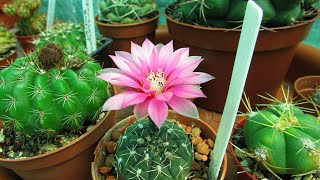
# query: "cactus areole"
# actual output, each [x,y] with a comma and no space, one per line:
[146,152]
[285,139]
[49,91]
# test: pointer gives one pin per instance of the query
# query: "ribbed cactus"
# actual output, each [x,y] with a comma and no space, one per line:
[70,36]
[228,13]
[284,139]
[29,21]
[145,152]
[7,41]
[49,91]
[126,11]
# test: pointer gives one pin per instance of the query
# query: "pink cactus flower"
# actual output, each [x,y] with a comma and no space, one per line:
[153,78]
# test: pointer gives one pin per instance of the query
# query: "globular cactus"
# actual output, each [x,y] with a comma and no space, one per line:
[230,13]
[126,11]
[316,95]
[70,36]
[29,21]
[49,91]
[284,139]
[7,41]
[145,152]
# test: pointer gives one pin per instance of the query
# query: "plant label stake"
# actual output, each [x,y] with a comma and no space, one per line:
[248,37]
[89,26]
[50,16]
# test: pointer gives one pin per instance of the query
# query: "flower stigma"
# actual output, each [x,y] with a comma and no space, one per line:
[156,81]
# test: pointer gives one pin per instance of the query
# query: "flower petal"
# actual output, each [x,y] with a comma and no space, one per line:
[124,100]
[166,96]
[148,46]
[173,61]
[164,54]
[158,111]
[200,78]
[187,91]
[117,77]
[188,67]
[141,110]
[184,107]
[154,60]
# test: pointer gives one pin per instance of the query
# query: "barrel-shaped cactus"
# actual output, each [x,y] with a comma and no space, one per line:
[146,152]
[124,12]
[7,41]
[30,22]
[49,91]
[228,13]
[70,36]
[284,138]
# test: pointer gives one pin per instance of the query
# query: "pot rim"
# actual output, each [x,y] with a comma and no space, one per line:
[223,169]
[239,30]
[126,25]
[298,91]
[69,145]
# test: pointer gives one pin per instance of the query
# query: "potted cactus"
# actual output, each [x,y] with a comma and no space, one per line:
[216,24]
[152,146]
[29,24]
[279,142]
[126,21]
[8,43]
[51,111]
[6,20]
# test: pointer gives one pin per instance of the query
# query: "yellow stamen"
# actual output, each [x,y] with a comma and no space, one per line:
[156,81]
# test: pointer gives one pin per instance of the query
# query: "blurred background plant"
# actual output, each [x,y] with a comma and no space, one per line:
[7,43]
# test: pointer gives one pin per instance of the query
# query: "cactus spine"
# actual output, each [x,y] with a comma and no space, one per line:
[145,152]
[126,11]
[29,21]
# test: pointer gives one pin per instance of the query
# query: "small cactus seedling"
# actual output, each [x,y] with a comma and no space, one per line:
[284,138]
[30,22]
[7,42]
[50,91]
[146,152]
[70,36]
[126,11]
[316,95]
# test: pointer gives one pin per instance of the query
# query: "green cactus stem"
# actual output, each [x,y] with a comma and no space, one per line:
[285,139]
[146,152]
[30,22]
[7,42]
[126,11]
[50,91]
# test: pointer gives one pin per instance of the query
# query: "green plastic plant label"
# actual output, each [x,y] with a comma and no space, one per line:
[50,14]
[89,26]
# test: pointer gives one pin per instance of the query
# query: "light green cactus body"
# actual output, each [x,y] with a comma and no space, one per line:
[285,139]
[70,36]
[29,21]
[124,12]
[49,91]
[225,14]
[7,41]
[145,152]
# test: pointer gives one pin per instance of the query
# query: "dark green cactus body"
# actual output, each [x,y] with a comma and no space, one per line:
[124,12]
[284,137]
[7,41]
[35,98]
[145,152]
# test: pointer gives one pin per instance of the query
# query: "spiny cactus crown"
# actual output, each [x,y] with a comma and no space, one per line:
[126,11]
[7,41]
[230,13]
[145,152]
[70,36]
[29,21]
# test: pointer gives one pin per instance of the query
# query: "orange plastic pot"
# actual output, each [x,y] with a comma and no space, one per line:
[123,34]
[272,57]
[8,60]
[304,88]
[69,162]
[100,154]
[8,21]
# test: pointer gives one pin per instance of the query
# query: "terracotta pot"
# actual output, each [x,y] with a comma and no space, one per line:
[8,60]
[68,162]
[243,174]
[26,42]
[304,88]
[8,21]
[123,34]
[99,153]
[271,59]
